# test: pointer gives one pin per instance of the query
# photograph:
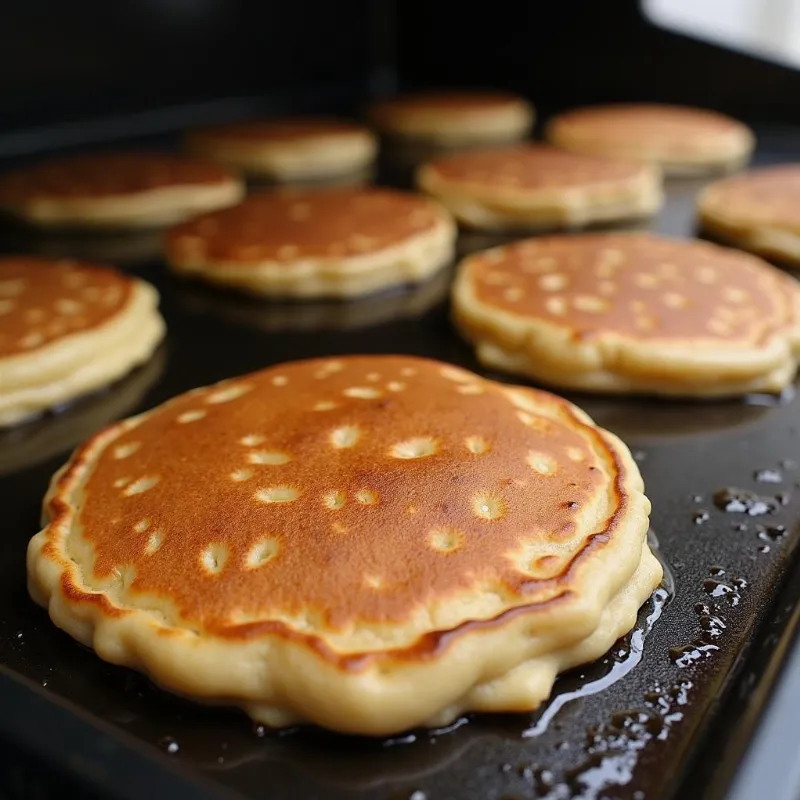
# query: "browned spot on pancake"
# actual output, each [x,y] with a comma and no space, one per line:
[532,166]
[70,296]
[662,288]
[106,175]
[261,227]
[329,531]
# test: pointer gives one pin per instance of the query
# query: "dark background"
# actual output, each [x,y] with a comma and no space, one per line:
[86,59]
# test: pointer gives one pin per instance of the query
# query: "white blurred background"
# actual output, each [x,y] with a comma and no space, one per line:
[768,29]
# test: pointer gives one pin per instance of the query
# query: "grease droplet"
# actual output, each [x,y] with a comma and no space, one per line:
[742,501]
[770,533]
[169,744]
[769,475]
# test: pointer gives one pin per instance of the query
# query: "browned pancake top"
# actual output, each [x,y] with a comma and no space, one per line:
[106,175]
[527,167]
[289,129]
[770,196]
[346,490]
[43,300]
[639,285]
[653,124]
[294,225]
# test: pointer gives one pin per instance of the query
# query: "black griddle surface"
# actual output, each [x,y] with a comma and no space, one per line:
[656,731]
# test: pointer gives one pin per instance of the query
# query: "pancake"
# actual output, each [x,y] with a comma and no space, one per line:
[631,313]
[454,118]
[369,544]
[116,190]
[536,187]
[66,329]
[337,243]
[294,148]
[758,211]
[679,139]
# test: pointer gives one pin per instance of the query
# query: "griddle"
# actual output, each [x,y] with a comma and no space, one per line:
[668,713]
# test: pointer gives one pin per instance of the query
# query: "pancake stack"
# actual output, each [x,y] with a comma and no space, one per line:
[631,313]
[535,187]
[338,243]
[66,329]
[287,149]
[681,140]
[758,210]
[367,543]
[117,191]
[454,119]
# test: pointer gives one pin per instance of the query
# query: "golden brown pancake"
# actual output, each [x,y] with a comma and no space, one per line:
[536,187]
[292,148]
[116,190]
[631,313]
[366,543]
[67,328]
[337,243]
[758,210]
[455,118]
[679,139]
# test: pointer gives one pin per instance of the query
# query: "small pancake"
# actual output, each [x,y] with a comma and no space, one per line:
[116,190]
[455,118]
[633,313]
[66,329]
[536,187]
[681,140]
[337,243]
[758,211]
[366,543]
[293,148]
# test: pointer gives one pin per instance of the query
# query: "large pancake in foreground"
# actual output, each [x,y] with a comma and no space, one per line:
[366,543]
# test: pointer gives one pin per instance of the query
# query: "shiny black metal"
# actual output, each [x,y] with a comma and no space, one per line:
[656,732]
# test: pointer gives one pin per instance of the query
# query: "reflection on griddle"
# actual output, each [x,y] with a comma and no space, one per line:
[57,432]
[124,248]
[361,764]
[645,421]
[272,316]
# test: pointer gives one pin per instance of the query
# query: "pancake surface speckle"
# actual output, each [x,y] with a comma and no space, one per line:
[536,187]
[376,543]
[682,140]
[316,244]
[62,325]
[631,312]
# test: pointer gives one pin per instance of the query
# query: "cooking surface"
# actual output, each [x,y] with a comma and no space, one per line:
[630,732]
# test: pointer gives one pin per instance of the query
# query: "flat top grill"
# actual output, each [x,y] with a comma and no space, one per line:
[668,710]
